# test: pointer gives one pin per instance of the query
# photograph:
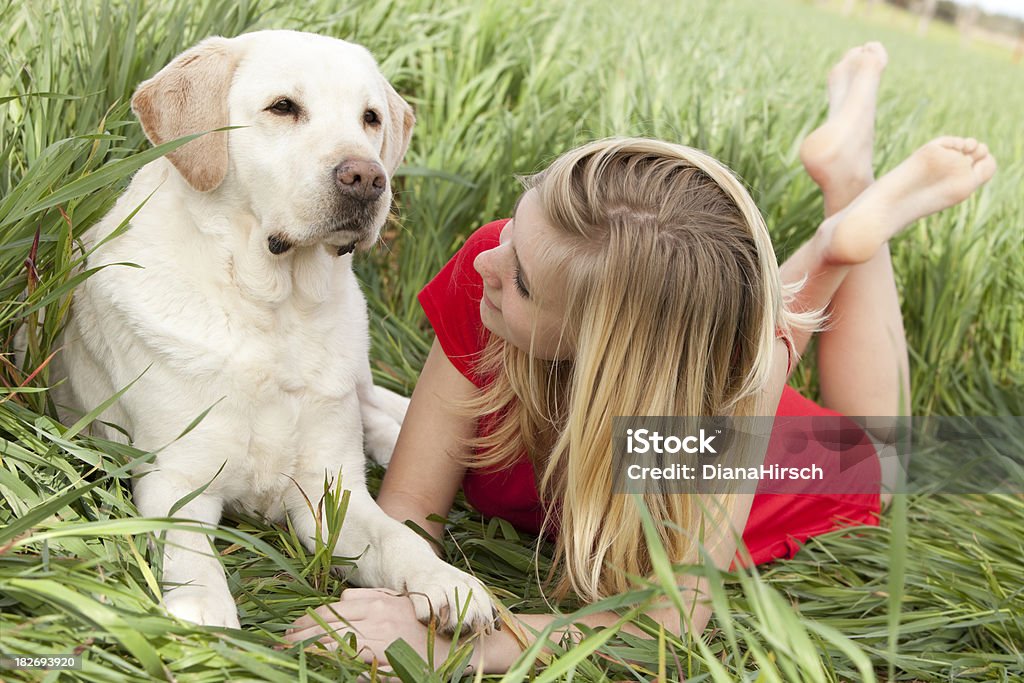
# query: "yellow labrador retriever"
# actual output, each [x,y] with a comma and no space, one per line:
[245,300]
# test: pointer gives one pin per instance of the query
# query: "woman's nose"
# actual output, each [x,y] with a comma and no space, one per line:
[485,263]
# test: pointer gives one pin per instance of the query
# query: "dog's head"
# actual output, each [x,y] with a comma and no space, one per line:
[322,132]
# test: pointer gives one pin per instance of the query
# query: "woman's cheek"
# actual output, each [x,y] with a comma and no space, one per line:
[512,319]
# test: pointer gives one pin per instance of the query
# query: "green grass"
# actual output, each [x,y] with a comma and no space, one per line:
[500,89]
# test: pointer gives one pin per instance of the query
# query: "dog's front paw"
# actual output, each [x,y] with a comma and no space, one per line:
[201,605]
[451,596]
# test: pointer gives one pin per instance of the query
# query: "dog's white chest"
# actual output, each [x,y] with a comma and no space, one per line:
[296,394]
[279,379]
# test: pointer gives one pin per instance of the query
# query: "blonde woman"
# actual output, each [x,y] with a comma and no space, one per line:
[637,277]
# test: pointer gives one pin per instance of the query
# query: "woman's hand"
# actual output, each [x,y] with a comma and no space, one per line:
[379,617]
[376,617]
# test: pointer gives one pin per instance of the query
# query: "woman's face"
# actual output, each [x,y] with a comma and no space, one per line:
[523,291]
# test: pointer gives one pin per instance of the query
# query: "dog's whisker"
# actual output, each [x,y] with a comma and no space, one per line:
[380,241]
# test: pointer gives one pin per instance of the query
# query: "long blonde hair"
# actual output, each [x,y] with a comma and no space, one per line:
[673,301]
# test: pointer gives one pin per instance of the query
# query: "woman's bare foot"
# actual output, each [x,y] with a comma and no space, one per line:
[839,153]
[941,174]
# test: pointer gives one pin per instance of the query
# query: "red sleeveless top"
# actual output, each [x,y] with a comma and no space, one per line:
[778,522]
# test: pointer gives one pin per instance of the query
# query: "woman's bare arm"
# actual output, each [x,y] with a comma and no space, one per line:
[423,475]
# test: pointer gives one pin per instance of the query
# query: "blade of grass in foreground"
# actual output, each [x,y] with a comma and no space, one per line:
[103,617]
[897,574]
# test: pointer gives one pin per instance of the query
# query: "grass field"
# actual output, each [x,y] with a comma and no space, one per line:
[500,88]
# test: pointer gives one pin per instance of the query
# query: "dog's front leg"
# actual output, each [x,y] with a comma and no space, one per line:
[382,412]
[196,588]
[390,555]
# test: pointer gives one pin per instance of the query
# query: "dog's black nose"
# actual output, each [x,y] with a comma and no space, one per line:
[360,179]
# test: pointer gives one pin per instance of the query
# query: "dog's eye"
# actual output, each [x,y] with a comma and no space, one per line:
[283,106]
[371,118]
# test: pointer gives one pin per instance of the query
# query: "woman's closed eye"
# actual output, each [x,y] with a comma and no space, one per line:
[520,287]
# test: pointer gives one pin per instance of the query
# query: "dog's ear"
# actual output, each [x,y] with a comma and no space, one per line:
[190,95]
[398,131]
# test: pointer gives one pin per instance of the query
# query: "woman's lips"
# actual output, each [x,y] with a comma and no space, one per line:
[487,302]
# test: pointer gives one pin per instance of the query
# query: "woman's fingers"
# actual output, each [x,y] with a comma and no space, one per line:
[374,618]
[308,620]
[365,593]
[356,604]
[297,635]
[368,649]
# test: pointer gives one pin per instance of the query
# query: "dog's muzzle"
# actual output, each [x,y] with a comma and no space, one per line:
[355,212]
